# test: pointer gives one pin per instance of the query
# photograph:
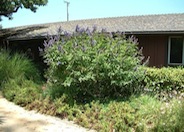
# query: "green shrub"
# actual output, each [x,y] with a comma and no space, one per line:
[94,64]
[18,78]
[21,92]
[147,109]
[16,66]
[170,118]
[164,79]
[53,92]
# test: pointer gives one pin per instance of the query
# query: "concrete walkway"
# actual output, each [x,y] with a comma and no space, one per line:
[17,119]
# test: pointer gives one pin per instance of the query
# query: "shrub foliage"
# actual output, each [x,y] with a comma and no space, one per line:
[93,64]
[164,79]
[138,113]
[16,66]
[18,78]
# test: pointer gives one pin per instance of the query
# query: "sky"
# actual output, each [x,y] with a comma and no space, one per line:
[55,10]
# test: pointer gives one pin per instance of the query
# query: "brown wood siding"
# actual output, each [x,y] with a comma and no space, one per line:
[155,47]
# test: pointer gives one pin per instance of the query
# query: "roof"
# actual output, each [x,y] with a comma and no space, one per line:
[145,24]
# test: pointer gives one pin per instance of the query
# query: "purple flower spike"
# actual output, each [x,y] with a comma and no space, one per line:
[104,30]
[133,40]
[57,38]
[82,30]
[88,32]
[58,63]
[63,40]
[40,49]
[83,48]
[67,34]
[60,30]
[93,42]
[77,29]
[111,35]
[59,48]
[94,28]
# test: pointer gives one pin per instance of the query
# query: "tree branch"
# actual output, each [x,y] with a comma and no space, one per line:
[9,12]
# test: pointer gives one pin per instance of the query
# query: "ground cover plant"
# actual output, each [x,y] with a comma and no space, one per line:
[140,113]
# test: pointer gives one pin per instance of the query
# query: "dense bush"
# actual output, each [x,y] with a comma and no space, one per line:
[18,78]
[93,64]
[164,79]
[16,66]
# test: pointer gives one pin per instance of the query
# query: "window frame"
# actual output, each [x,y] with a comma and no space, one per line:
[169,51]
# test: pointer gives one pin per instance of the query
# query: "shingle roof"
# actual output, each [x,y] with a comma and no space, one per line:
[145,24]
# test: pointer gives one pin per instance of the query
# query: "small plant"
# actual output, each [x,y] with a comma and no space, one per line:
[89,115]
[171,117]
[147,109]
[119,117]
[1,120]
[63,108]
[43,105]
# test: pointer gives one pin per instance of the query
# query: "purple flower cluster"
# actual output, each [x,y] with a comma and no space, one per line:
[50,41]
[62,36]
[67,34]
[94,29]
[93,42]
[60,49]
[104,30]
[58,63]
[133,39]
[87,30]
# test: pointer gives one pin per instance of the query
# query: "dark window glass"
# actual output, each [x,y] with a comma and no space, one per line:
[176,50]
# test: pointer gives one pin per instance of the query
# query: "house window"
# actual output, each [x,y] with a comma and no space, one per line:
[176,51]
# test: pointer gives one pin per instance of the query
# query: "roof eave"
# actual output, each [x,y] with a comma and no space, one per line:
[126,32]
[26,38]
[153,32]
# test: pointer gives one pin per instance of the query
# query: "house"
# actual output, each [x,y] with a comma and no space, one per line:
[161,36]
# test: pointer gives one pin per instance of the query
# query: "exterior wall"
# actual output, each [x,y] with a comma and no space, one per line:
[155,47]
[3,43]
[30,47]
